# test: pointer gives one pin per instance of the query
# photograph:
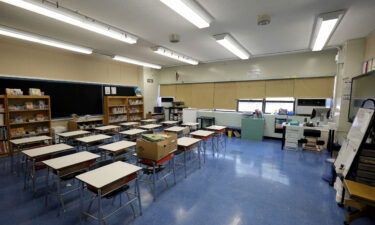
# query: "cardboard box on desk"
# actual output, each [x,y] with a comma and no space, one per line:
[157,150]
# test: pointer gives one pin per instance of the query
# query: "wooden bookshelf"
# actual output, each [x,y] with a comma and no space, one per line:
[26,115]
[4,145]
[84,124]
[119,109]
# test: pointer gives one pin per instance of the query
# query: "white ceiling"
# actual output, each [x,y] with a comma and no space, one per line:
[152,21]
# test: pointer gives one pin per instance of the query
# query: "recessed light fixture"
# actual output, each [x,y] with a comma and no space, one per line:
[10,32]
[228,42]
[174,55]
[191,11]
[324,27]
[54,11]
[136,62]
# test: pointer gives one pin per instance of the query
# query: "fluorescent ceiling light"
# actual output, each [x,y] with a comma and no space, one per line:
[174,55]
[51,10]
[324,27]
[232,45]
[6,31]
[136,62]
[191,11]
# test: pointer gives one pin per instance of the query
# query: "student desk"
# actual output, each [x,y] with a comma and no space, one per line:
[129,125]
[66,136]
[362,197]
[298,134]
[176,129]
[107,179]
[132,134]
[108,129]
[64,166]
[86,141]
[157,163]
[118,148]
[169,123]
[148,121]
[191,125]
[219,135]
[38,154]
[203,135]
[186,144]
[150,127]
[20,143]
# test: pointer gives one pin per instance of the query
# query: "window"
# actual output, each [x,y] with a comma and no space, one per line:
[249,105]
[273,105]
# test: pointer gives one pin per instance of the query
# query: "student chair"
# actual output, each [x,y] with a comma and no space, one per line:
[186,132]
[311,140]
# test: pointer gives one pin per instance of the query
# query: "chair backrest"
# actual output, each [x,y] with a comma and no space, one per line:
[186,131]
[311,133]
[61,154]
[100,164]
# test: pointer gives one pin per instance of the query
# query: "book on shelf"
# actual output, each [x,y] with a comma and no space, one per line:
[3,134]
[4,147]
[29,105]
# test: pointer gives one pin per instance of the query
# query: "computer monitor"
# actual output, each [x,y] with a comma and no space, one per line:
[321,114]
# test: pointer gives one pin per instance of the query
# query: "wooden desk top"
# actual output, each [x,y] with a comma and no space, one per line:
[187,141]
[29,140]
[73,133]
[93,138]
[133,131]
[70,160]
[175,129]
[360,191]
[216,127]
[129,124]
[149,120]
[169,122]
[46,150]
[109,127]
[117,146]
[150,126]
[190,124]
[300,126]
[202,133]
[108,174]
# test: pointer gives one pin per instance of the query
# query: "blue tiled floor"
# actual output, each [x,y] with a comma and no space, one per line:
[251,183]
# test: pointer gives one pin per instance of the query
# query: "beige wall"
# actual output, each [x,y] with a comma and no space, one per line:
[353,54]
[25,59]
[308,64]
[370,47]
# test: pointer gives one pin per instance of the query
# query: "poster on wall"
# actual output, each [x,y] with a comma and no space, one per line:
[114,90]
[107,90]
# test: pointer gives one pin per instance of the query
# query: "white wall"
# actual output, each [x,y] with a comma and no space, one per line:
[150,91]
[308,64]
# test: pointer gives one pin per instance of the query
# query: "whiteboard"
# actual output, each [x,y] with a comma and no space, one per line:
[354,139]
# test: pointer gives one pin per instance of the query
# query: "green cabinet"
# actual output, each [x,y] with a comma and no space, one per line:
[252,129]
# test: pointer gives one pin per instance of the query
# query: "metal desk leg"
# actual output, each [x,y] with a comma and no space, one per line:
[138,195]
[204,150]
[33,174]
[174,170]
[81,202]
[100,216]
[185,162]
[154,180]
[47,188]
[26,174]
[199,156]
[59,196]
